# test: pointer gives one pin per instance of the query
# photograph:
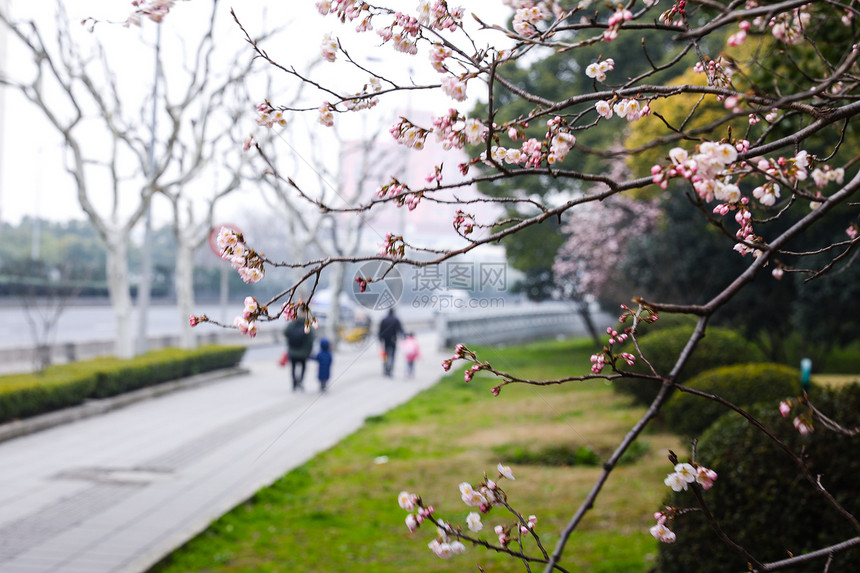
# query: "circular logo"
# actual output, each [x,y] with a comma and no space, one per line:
[378,293]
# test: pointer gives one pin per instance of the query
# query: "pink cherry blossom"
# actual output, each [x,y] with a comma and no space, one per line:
[662,533]
[412,522]
[505,471]
[326,116]
[246,327]
[328,48]
[737,38]
[195,320]
[705,477]
[471,496]
[525,20]
[676,481]
[603,108]
[803,426]
[438,54]
[441,549]
[454,87]
[407,500]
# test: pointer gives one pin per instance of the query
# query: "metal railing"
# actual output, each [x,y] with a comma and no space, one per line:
[518,323]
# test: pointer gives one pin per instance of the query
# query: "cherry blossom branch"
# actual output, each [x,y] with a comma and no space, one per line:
[608,466]
[811,101]
[724,537]
[812,555]
[798,460]
[826,268]
[831,424]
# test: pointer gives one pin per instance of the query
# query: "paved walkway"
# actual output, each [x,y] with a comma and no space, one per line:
[116,492]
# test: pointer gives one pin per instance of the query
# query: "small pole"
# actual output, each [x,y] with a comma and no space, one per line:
[805,372]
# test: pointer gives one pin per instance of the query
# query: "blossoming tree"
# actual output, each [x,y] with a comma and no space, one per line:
[750,106]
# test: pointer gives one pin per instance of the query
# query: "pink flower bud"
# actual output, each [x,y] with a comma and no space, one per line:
[802,426]
[412,522]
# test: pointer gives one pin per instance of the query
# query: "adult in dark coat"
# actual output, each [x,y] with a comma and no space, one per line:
[299,347]
[389,330]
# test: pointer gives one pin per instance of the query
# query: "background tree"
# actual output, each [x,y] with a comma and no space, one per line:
[599,236]
[77,84]
[44,291]
[309,232]
[64,261]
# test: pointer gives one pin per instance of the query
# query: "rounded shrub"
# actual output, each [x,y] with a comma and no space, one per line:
[741,384]
[719,347]
[762,499]
[61,386]
[667,322]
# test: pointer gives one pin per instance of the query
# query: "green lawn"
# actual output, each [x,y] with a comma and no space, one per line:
[339,512]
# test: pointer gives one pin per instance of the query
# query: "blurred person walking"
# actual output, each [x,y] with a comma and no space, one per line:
[300,343]
[324,359]
[390,329]
[412,352]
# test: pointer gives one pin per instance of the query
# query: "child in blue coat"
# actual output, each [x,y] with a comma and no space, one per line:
[324,359]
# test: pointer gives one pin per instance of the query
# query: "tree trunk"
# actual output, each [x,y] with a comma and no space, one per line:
[184,283]
[585,312]
[334,319]
[118,289]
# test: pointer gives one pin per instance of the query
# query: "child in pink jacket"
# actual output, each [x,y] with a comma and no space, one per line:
[412,352]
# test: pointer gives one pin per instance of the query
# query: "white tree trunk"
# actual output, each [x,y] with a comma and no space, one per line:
[184,283]
[334,319]
[118,289]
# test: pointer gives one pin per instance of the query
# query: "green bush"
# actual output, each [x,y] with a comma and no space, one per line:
[667,322]
[719,347]
[23,395]
[564,455]
[762,500]
[842,360]
[742,384]
[569,455]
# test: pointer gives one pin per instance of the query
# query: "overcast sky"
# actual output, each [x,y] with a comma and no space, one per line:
[33,179]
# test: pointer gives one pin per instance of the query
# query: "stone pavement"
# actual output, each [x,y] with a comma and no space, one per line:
[116,492]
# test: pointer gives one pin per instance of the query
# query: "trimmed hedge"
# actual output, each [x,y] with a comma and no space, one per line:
[742,384]
[25,395]
[761,498]
[719,347]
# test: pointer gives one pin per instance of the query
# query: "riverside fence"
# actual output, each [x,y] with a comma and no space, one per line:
[508,324]
[518,323]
